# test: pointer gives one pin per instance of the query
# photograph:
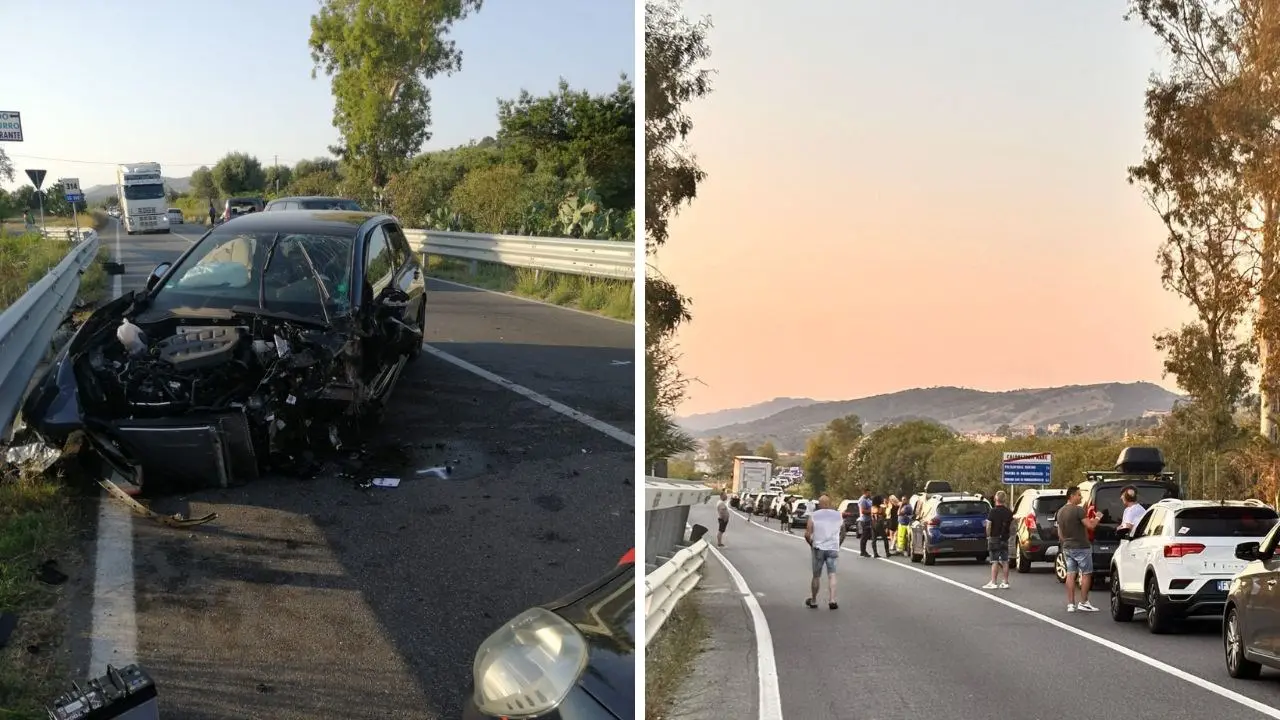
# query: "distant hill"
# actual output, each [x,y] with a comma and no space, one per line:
[961,409]
[98,193]
[720,418]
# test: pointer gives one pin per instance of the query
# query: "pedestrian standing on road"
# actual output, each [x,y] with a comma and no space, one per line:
[999,524]
[722,515]
[784,515]
[905,515]
[864,521]
[891,524]
[1132,510]
[1073,536]
[212,215]
[825,534]
[877,526]
[27,220]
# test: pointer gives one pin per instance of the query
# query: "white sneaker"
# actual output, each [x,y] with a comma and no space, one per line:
[1086,607]
[1071,607]
[1004,586]
[990,586]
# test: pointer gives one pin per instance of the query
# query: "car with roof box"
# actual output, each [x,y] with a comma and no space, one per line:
[1143,468]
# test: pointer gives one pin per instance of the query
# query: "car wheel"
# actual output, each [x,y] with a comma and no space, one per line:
[1023,563]
[1158,620]
[1120,610]
[928,559]
[980,557]
[1238,666]
[1060,568]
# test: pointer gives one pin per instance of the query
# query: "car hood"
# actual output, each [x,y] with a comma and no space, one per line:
[604,612]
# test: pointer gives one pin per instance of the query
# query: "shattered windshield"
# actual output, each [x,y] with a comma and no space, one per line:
[226,270]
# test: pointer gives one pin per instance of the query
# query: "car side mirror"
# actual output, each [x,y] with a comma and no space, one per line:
[1248,551]
[157,274]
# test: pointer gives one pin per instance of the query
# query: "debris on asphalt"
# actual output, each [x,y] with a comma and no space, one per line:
[176,520]
[49,574]
[386,482]
[443,472]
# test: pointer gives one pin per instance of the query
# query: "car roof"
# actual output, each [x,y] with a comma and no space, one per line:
[317,222]
[312,197]
[1176,504]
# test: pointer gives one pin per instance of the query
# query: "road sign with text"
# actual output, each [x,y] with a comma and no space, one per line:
[1023,468]
[10,126]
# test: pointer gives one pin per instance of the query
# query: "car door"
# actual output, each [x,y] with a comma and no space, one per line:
[1262,612]
[1127,555]
[1151,544]
[409,271]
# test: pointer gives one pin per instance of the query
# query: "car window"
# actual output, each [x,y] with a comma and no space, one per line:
[330,204]
[1268,545]
[1106,497]
[1155,528]
[379,263]
[404,253]
[963,507]
[1141,528]
[226,270]
[1224,521]
[1050,504]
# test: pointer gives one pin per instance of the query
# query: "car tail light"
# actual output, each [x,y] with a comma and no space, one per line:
[1177,550]
[846,514]
[629,558]
[1030,521]
[1090,512]
[935,521]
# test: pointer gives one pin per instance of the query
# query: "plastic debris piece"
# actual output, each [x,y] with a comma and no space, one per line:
[443,472]
[386,482]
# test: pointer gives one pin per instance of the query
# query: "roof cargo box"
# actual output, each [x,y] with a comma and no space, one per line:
[1140,461]
[937,486]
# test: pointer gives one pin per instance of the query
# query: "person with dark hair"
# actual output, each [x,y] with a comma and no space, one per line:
[1073,535]
[784,514]
[877,526]
[891,524]
[864,521]
[1132,510]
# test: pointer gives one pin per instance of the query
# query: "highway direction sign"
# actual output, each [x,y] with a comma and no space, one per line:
[1022,468]
[74,197]
[10,126]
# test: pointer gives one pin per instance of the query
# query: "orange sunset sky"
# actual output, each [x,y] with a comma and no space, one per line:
[916,194]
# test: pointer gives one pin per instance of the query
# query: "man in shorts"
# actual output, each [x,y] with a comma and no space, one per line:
[722,513]
[1073,535]
[825,534]
[999,524]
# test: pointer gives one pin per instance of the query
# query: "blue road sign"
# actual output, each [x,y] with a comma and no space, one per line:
[75,197]
[1020,468]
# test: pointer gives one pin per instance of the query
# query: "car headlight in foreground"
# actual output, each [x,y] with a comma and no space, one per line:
[529,666]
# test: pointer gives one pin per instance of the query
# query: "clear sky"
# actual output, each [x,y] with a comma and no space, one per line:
[183,83]
[913,194]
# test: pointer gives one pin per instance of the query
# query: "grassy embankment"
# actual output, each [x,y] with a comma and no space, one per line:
[39,519]
[669,658]
[611,298]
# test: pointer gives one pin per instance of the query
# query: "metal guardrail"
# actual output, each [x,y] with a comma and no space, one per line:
[28,325]
[68,234]
[665,587]
[591,258]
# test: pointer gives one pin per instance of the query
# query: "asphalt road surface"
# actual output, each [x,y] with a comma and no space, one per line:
[912,641]
[315,599]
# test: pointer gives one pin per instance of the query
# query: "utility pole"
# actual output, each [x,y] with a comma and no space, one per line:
[275,162]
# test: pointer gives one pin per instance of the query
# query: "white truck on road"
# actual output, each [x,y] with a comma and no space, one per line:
[140,188]
[751,473]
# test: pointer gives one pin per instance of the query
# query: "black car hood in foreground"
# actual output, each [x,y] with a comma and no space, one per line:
[605,613]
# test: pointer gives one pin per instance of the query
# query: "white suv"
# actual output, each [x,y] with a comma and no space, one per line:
[1179,559]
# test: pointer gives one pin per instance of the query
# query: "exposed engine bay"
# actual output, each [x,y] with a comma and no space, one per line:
[224,399]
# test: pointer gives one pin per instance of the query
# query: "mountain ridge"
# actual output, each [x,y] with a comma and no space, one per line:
[962,409]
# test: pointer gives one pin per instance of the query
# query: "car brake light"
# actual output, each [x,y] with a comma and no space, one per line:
[935,521]
[1177,550]
[629,558]
[846,514]
[1030,521]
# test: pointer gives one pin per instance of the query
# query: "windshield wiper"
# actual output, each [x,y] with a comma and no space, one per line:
[315,274]
[262,281]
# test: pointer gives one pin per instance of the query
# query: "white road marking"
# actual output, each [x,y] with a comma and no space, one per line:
[1164,667]
[532,300]
[114,629]
[619,362]
[769,697]
[598,425]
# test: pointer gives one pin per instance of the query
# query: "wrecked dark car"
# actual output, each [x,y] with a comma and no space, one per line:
[275,338]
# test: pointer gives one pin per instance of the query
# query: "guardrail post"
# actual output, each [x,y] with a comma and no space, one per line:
[473,267]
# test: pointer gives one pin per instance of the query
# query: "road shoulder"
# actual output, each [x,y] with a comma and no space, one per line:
[723,680]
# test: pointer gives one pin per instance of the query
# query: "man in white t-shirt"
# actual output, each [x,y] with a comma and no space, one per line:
[1132,510]
[722,516]
[825,534]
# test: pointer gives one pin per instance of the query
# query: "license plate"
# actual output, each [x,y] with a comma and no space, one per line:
[1224,585]
[1104,548]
